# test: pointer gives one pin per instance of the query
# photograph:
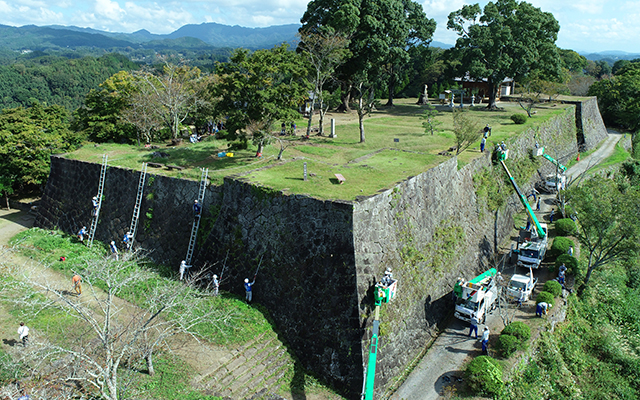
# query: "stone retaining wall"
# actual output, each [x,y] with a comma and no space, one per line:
[320,259]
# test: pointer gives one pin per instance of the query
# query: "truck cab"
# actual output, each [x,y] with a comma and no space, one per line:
[519,284]
[532,248]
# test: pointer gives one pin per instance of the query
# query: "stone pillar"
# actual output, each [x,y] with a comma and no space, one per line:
[333,128]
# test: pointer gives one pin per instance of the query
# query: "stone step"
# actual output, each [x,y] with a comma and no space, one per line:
[254,367]
[230,365]
[275,361]
[226,375]
[269,380]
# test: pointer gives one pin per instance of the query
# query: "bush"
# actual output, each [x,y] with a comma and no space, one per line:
[570,262]
[545,297]
[484,375]
[553,287]
[565,227]
[507,345]
[519,119]
[560,246]
[518,329]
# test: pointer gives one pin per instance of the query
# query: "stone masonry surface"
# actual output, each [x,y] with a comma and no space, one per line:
[320,259]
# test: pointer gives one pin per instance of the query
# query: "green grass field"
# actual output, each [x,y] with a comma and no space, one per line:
[368,167]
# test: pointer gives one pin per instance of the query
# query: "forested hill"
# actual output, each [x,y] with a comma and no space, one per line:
[204,36]
[57,80]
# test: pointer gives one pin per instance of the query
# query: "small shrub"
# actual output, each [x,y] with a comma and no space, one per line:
[565,227]
[570,262]
[560,246]
[518,329]
[519,119]
[239,145]
[553,287]
[484,375]
[545,297]
[507,345]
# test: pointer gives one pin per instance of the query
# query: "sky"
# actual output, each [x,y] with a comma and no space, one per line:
[585,25]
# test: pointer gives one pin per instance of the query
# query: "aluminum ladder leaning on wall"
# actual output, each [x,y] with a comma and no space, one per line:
[196,219]
[136,209]
[96,216]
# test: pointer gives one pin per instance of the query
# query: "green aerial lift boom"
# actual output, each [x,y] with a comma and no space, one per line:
[540,152]
[532,251]
[503,154]
[383,292]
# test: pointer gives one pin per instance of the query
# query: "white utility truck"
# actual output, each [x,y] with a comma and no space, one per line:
[521,284]
[477,297]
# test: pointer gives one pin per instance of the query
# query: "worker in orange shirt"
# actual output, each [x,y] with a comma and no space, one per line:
[77,284]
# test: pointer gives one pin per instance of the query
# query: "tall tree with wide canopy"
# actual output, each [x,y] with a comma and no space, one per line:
[256,90]
[506,39]
[619,97]
[173,94]
[608,222]
[382,33]
[28,137]
[408,27]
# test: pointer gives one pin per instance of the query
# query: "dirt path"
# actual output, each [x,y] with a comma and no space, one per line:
[200,356]
[452,349]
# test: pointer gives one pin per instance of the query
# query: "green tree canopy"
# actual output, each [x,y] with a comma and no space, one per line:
[382,34]
[619,97]
[28,136]
[257,89]
[100,118]
[608,222]
[506,39]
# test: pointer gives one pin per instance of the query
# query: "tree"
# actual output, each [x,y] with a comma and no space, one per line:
[533,92]
[618,97]
[110,332]
[382,34]
[466,129]
[572,61]
[28,137]
[259,89]
[325,52]
[406,27]
[608,222]
[5,187]
[429,121]
[101,117]
[172,94]
[506,39]
[365,101]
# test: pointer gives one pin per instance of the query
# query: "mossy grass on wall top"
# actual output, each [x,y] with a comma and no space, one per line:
[396,147]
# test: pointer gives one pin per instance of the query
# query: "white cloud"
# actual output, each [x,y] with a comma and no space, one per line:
[109,9]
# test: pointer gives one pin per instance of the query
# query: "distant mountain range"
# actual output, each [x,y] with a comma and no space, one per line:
[196,37]
[610,55]
[206,35]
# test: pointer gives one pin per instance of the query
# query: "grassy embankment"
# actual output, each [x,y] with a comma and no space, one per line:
[173,375]
[377,164]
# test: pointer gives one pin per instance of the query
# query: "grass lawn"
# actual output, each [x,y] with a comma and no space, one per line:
[395,148]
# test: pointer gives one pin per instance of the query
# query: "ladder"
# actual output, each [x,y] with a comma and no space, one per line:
[136,209]
[196,220]
[96,215]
